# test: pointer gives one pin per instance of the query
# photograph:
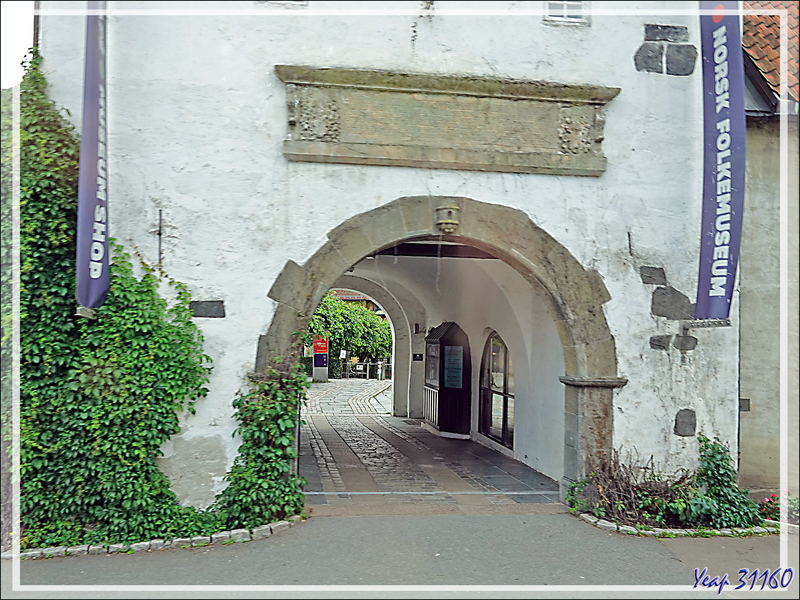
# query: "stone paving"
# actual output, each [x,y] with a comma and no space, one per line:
[353,453]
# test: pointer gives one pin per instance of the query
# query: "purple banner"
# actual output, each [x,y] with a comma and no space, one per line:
[723,156]
[91,277]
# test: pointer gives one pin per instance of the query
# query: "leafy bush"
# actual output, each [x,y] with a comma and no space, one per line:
[732,505]
[643,495]
[97,397]
[262,485]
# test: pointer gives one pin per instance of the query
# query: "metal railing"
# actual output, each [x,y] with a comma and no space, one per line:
[366,370]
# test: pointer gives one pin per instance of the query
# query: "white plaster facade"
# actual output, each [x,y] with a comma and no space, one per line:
[197,118]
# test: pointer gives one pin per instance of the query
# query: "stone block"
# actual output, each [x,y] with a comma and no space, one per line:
[100,549]
[725,532]
[685,342]
[78,550]
[759,530]
[384,225]
[291,287]
[666,33]
[685,423]
[116,548]
[30,554]
[278,340]
[607,525]
[201,540]
[212,309]
[140,546]
[181,543]
[158,544]
[351,240]
[294,520]
[648,533]
[54,552]
[649,58]
[672,304]
[240,535]
[324,267]
[601,358]
[570,429]
[660,342]
[417,214]
[571,399]
[628,529]
[653,275]
[590,326]
[571,464]
[279,526]
[222,536]
[261,532]
[577,287]
[741,530]
[680,59]
[589,518]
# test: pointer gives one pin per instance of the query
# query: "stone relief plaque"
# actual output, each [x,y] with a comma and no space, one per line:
[443,122]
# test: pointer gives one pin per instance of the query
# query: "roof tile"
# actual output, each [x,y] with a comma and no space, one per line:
[761,40]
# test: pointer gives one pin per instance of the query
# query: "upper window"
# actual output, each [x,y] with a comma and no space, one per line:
[566,12]
[497,392]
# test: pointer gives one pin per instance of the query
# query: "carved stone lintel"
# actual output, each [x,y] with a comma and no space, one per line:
[383,118]
[601,382]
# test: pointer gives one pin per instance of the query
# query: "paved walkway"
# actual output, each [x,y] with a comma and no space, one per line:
[359,460]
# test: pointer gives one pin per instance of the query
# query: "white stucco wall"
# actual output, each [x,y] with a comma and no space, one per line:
[196,123]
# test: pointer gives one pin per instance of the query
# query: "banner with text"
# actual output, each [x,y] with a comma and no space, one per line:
[723,155]
[91,276]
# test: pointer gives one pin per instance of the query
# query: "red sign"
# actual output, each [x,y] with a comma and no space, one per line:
[320,345]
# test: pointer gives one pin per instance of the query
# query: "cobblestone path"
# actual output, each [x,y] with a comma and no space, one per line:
[358,459]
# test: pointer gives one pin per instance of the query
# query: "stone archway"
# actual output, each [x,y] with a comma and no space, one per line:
[402,334]
[576,297]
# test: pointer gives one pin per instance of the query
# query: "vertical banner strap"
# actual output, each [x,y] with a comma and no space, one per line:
[92,252]
[724,130]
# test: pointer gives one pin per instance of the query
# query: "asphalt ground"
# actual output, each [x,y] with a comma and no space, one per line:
[397,512]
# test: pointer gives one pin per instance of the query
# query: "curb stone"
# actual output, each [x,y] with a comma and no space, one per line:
[790,528]
[658,532]
[240,535]
[279,526]
[237,535]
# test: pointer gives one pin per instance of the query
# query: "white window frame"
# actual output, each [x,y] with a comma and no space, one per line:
[556,12]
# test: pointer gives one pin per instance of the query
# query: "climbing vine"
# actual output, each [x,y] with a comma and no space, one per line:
[263,486]
[97,397]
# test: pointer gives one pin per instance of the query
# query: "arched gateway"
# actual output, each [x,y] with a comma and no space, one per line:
[575,297]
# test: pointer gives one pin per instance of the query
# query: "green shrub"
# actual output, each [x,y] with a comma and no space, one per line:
[97,397]
[644,495]
[262,485]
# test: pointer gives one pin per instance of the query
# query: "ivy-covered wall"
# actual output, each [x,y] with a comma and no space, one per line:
[99,397]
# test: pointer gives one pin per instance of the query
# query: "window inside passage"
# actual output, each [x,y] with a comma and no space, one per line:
[497,392]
